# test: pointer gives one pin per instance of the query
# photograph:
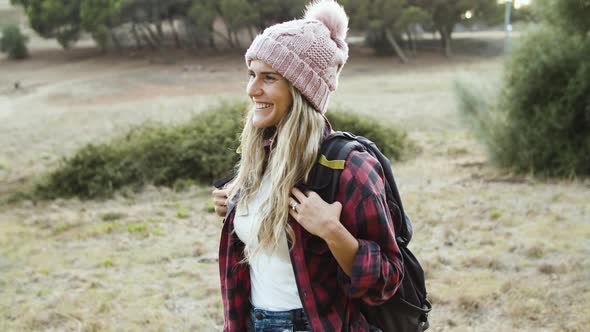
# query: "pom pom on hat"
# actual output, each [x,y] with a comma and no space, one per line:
[331,14]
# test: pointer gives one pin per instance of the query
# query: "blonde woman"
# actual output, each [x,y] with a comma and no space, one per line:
[288,260]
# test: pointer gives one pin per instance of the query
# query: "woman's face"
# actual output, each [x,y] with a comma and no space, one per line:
[270,94]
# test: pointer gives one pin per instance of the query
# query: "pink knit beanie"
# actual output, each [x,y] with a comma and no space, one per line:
[308,52]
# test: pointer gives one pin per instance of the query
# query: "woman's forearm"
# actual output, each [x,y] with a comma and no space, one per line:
[343,246]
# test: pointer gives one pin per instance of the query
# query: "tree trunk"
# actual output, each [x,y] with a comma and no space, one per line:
[411,46]
[189,35]
[115,40]
[174,33]
[224,37]
[395,46]
[232,37]
[229,38]
[160,30]
[212,42]
[146,37]
[138,43]
[155,41]
[237,39]
[412,42]
[446,42]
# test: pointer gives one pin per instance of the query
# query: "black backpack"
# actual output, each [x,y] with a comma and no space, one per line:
[408,309]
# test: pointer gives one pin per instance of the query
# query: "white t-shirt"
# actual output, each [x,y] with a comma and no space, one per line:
[272,278]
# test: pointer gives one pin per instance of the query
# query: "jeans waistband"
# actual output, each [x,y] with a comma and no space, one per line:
[293,315]
[265,320]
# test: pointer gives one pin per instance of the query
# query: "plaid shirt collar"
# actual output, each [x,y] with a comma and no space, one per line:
[269,138]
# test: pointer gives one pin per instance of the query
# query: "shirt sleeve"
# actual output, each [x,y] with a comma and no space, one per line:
[377,271]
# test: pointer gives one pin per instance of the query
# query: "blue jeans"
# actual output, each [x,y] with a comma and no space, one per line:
[277,321]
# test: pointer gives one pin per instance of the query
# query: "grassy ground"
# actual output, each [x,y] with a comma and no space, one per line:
[501,252]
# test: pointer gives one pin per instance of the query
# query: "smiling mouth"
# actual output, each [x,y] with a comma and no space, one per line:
[261,106]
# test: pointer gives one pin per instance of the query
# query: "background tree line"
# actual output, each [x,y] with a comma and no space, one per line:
[389,25]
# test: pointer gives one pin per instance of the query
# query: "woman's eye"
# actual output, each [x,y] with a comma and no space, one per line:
[270,78]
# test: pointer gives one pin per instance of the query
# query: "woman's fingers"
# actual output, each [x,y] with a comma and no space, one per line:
[298,194]
[220,201]
[300,201]
[221,211]
[220,192]
[293,213]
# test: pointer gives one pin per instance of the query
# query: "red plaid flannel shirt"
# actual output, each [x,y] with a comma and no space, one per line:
[330,298]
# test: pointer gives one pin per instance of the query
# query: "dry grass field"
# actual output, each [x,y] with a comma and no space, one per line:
[501,252]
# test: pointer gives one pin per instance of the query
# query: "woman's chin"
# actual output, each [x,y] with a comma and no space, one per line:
[262,121]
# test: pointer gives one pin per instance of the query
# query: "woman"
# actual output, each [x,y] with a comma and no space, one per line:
[288,260]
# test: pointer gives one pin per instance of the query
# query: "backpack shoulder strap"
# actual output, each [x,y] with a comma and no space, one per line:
[404,230]
[324,177]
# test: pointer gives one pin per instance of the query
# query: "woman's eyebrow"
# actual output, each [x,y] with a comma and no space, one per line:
[265,72]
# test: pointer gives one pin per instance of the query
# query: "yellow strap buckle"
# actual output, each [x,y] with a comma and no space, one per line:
[333,164]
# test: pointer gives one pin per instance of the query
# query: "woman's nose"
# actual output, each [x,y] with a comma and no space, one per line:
[252,89]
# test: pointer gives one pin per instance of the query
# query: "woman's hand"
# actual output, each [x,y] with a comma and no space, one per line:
[314,214]
[323,220]
[220,200]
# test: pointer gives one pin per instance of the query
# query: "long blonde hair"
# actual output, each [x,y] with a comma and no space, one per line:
[293,153]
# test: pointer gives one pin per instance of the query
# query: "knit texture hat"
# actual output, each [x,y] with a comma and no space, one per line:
[308,52]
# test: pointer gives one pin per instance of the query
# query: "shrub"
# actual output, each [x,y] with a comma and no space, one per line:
[547,101]
[541,120]
[570,15]
[13,42]
[201,150]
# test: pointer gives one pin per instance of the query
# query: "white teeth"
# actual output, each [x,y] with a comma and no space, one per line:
[262,105]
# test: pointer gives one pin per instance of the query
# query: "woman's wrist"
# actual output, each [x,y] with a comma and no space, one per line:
[335,233]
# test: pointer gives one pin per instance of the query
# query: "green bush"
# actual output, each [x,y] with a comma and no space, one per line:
[13,42]
[570,15]
[541,121]
[202,149]
[547,100]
